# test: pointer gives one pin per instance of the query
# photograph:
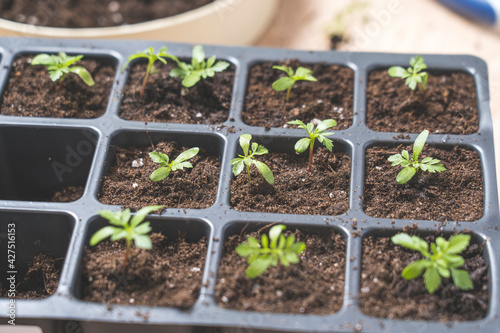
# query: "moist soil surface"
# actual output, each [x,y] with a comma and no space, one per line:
[40,281]
[329,98]
[68,194]
[166,100]
[324,191]
[452,195]
[93,13]
[386,294]
[31,93]
[131,187]
[448,105]
[313,286]
[170,274]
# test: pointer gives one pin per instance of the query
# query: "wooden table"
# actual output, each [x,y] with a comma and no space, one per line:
[401,26]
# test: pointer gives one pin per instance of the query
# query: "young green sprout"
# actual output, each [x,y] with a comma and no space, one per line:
[198,69]
[123,227]
[412,166]
[287,82]
[152,58]
[165,167]
[442,260]
[318,133]
[261,256]
[59,66]
[413,75]
[248,158]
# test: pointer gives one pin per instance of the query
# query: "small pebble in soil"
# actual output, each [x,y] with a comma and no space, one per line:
[195,269]
[319,101]
[316,121]
[279,293]
[135,185]
[224,299]
[117,18]
[113,6]
[199,115]
[131,300]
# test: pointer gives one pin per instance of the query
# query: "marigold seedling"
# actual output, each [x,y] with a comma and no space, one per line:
[412,166]
[261,256]
[287,82]
[59,66]
[123,227]
[442,260]
[199,68]
[152,58]
[166,166]
[318,133]
[249,158]
[413,75]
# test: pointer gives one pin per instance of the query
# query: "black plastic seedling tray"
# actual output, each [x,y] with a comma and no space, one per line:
[63,229]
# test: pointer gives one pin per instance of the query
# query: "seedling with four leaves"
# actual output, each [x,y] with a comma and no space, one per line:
[440,262]
[248,158]
[152,57]
[280,249]
[287,82]
[166,166]
[59,66]
[412,166]
[125,227]
[199,68]
[318,133]
[413,75]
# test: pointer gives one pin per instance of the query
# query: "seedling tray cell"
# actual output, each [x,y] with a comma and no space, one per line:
[85,149]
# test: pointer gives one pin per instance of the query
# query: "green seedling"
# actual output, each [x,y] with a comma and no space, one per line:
[442,260]
[165,167]
[199,68]
[261,256]
[318,133]
[123,227]
[412,166]
[287,82]
[152,58]
[413,75]
[249,158]
[59,66]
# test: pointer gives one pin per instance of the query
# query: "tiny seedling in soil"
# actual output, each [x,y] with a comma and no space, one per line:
[125,228]
[249,158]
[60,65]
[198,69]
[413,75]
[152,58]
[442,260]
[165,167]
[261,256]
[287,82]
[318,133]
[411,167]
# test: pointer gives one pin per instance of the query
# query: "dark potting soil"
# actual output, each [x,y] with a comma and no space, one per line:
[329,98]
[40,281]
[166,100]
[31,93]
[68,194]
[131,187]
[386,294]
[324,191]
[448,105]
[313,286]
[170,274]
[93,13]
[453,195]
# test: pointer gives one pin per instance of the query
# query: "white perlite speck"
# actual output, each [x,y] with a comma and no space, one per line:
[137,163]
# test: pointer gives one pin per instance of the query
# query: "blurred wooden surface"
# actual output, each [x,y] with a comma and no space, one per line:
[401,26]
